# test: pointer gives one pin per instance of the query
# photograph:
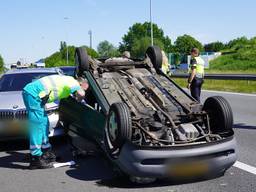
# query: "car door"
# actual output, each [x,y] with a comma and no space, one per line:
[84,119]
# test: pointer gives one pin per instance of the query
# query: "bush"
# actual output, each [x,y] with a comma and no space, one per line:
[59,58]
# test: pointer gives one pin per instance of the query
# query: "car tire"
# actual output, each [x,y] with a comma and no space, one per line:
[118,128]
[155,55]
[81,61]
[220,115]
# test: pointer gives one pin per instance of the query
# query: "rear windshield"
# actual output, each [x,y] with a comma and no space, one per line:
[16,82]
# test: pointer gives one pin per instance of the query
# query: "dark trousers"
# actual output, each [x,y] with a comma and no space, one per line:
[195,88]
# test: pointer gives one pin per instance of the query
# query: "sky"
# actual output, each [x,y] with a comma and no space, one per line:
[33,29]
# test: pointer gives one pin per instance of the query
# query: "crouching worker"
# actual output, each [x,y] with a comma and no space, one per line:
[35,95]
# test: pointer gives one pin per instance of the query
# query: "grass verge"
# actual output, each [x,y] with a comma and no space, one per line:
[239,86]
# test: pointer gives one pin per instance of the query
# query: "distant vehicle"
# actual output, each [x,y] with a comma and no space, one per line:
[13,66]
[23,66]
[145,123]
[68,70]
[13,114]
[39,64]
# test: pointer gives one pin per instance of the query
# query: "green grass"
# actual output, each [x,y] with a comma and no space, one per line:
[243,59]
[240,86]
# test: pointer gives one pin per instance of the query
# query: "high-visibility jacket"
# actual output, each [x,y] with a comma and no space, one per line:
[165,68]
[56,86]
[198,63]
[165,64]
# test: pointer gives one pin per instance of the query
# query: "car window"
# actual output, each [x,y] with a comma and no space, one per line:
[16,82]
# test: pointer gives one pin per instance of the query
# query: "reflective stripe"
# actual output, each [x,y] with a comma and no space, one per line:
[50,85]
[45,146]
[199,75]
[54,86]
[45,86]
[35,147]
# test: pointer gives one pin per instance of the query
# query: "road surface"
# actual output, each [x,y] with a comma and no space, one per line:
[95,173]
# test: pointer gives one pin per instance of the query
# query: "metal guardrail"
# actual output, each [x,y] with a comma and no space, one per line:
[251,77]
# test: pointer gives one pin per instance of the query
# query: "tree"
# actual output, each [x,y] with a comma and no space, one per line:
[139,33]
[63,45]
[140,46]
[238,43]
[59,58]
[106,49]
[185,43]
[214,46]
[1,64]
[91,52]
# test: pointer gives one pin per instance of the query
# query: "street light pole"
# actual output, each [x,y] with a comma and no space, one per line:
[151,24]
[66,18]
[90,34]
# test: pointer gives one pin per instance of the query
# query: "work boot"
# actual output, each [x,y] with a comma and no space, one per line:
[49,155]
[38,162]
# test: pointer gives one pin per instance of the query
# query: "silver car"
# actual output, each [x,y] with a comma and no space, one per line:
[13,114]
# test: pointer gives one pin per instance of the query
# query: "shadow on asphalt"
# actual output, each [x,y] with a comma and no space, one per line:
[243,126]
[15,154]
[91,169]
[12,158]
[103,176]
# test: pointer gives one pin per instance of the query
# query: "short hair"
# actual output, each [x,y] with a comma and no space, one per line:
[195,50]
[82,80]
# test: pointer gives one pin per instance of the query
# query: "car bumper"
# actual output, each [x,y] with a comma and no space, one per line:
[19,129]
[163,163]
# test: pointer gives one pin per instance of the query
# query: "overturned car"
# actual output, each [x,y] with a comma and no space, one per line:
[145,123]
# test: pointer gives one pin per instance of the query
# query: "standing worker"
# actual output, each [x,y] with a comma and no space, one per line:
[35,95]
[196,77]
[165,64]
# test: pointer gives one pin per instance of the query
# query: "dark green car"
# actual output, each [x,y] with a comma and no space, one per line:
[145,123]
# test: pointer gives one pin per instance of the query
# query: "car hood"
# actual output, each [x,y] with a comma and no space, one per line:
[11,100]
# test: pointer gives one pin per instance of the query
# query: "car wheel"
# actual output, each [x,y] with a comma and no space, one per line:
[155,55]
[81,61]
[118,128]
[220,115]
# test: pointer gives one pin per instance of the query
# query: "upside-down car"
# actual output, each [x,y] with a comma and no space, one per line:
[145,123]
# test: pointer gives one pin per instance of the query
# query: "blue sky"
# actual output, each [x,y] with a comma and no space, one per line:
[32,29]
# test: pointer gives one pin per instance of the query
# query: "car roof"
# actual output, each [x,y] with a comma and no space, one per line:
[33,70]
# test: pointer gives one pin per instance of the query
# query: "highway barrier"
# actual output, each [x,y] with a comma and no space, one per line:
[222,76]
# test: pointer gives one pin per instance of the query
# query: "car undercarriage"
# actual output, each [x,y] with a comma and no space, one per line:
[149,109]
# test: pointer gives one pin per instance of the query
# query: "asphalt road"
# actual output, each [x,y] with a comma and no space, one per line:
[95,173]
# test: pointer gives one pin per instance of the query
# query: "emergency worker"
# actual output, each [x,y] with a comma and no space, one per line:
[35,95]
[196,77]
[165,64]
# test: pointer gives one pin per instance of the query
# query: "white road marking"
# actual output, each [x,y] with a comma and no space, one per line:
[230,93]
[245,167]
